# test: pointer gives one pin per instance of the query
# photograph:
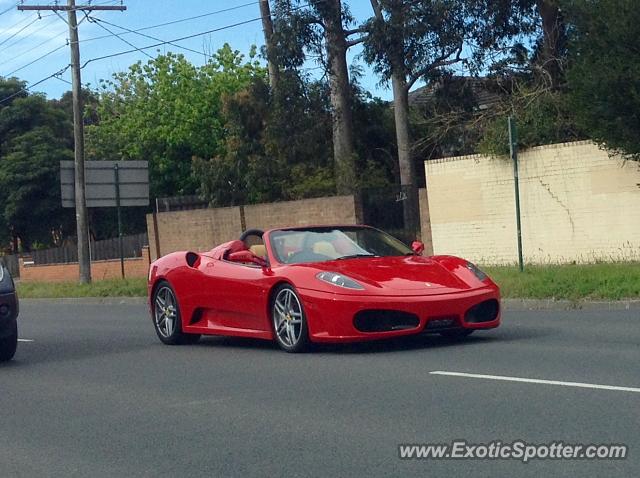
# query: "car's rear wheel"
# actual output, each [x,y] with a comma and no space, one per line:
[9,344]
[457,333]
[167,319]
[289,320]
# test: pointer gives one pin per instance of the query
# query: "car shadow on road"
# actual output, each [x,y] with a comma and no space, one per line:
[398,344]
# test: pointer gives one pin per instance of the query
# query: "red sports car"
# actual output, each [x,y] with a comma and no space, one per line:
[300,285]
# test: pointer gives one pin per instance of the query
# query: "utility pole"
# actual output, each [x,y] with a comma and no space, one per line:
[267,27]
[82,227]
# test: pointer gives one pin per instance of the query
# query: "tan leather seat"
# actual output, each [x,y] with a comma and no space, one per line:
[259,250]
[326,249]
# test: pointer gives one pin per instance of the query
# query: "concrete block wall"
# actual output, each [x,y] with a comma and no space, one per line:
[100,270]
[578,204]
[202,229]
[196,230]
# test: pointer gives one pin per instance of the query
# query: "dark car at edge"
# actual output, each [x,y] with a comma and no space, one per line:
[9,308]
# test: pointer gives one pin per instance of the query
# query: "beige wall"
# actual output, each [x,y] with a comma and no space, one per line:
[202,229]
[577,203]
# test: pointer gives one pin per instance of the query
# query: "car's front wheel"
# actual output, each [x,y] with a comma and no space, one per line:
[9,344]
[289,320]
[167,319]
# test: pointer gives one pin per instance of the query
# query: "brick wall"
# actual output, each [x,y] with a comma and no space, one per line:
[202,229]
[578,203]
[100,270]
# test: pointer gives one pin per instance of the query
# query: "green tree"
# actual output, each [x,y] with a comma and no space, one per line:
[322,32]
[604,72]
[169,111]
[36,136]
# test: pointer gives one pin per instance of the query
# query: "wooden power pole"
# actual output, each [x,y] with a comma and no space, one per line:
[82,226]
[267,28]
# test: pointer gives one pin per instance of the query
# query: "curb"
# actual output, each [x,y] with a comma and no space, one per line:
[507,304]
[89,301]
[553,304]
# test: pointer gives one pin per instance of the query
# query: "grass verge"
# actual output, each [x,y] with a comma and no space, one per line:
[105,288]
[571,282]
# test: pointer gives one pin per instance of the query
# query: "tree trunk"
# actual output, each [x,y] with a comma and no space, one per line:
[400,109]
[551,34]
[408,182]
[267,27]
[401,117]
[343,143]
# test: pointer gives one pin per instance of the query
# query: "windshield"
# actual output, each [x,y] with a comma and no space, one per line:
[321,244]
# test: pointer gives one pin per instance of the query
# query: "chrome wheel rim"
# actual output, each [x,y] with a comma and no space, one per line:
[287,317]
[165,312]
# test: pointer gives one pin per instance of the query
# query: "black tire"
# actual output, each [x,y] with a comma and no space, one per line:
[9,344]
[292,336]
[457,333]
[167,320]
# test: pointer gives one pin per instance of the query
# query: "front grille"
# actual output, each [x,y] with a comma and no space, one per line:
[384,320]
[483,312]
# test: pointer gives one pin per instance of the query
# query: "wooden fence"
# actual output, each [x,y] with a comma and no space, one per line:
[100,250]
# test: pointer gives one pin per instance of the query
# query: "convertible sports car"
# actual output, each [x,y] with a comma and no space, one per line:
[318,284]
[8,316]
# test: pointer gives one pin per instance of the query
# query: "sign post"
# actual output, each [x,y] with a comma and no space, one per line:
[109,184]
[513,148]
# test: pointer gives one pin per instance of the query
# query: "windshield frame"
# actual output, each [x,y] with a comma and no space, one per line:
[275,258]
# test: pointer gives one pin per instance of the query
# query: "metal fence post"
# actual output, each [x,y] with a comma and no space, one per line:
[513,148]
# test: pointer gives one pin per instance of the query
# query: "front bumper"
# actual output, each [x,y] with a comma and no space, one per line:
[9,310]
[330,317]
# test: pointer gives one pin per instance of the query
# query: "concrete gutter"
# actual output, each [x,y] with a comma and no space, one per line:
[507,304]
[553,304]
[89,301]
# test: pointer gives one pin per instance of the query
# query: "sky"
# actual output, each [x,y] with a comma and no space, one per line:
[24,38]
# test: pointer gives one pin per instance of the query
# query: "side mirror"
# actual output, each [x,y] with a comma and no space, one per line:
[417,247]
[247,257]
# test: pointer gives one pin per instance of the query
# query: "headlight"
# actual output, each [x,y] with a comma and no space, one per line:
[1,273]
[476,271]
[339,280]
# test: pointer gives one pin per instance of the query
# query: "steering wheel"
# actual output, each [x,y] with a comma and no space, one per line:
[251,232]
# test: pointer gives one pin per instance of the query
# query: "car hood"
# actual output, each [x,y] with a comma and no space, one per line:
[397,274]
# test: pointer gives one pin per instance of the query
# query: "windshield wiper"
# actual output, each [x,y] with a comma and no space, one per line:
[355,256]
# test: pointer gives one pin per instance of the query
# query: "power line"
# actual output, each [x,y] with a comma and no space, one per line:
[28,88]
[37,46]
[19,31]
[149,36]
[173,22]
[98,22]
[42,27]
[8,9]
[58,73]
[138,30]
[37,59]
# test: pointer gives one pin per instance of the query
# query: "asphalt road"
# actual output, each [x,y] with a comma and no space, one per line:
[96,394]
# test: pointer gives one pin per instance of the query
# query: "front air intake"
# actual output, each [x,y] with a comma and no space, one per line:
[483,312]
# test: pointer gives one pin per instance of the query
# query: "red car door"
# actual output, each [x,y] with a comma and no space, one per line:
[233,295]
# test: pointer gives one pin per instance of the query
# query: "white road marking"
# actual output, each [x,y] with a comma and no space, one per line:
[25,340]
[537,380]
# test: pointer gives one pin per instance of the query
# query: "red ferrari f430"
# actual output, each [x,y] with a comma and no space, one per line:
[304,285]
